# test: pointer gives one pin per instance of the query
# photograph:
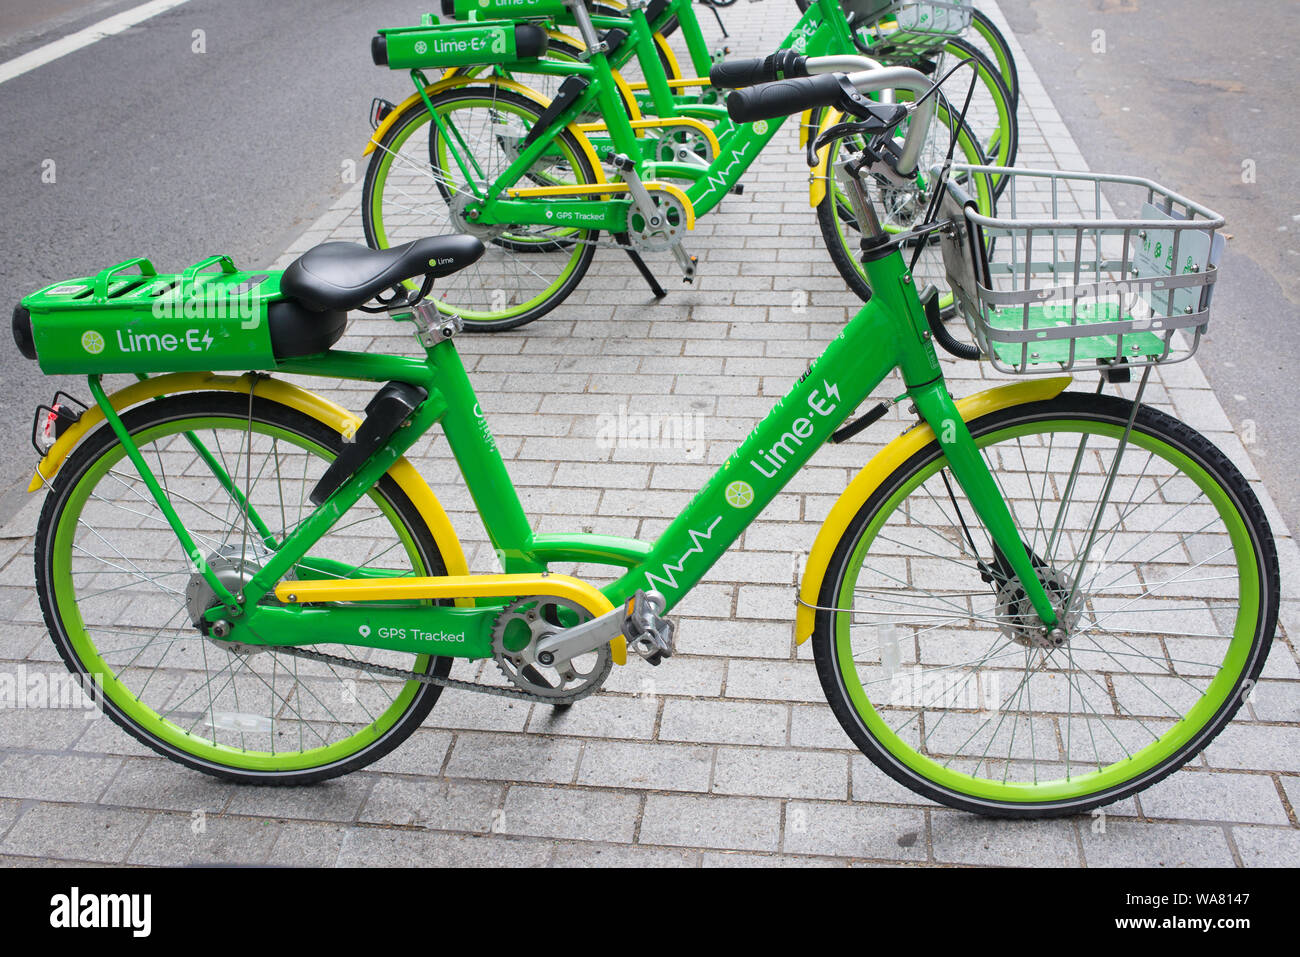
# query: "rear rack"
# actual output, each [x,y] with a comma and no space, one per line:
[129,318]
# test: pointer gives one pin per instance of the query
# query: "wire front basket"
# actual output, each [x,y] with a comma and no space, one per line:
[1059,278]
[914,27]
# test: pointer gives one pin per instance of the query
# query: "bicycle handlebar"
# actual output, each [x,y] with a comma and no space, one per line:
[784,97]
[781,65]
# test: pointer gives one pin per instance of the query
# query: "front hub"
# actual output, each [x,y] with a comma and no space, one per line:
[1018,620]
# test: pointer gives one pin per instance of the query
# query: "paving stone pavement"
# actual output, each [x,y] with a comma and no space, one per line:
[729,757]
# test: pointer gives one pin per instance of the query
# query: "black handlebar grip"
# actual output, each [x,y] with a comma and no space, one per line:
[784,98]
[782,65]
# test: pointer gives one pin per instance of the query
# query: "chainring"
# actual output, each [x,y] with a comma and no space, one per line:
[650,236]
[672,138]
[515,634]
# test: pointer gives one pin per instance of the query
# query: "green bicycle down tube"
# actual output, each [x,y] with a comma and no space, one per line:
[888,332]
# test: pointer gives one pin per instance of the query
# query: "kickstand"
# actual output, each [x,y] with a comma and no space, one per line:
[656,290]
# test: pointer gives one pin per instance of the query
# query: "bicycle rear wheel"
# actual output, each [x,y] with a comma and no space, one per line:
[940,672]
[419,181]
[119,594]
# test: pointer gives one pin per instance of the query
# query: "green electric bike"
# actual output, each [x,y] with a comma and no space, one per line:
[525,173]
[1032,602]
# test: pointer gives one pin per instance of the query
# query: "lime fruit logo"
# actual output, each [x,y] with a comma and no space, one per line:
[484,3]
[421,46]
[92,342]
[760,127]
[739,494]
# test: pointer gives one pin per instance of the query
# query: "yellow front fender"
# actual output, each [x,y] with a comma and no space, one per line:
[882,466]
[818,180]
[321,409]
[805,127]
[455,82]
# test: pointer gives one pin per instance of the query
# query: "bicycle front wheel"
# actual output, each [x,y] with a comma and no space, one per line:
[123,602]
[1167,589]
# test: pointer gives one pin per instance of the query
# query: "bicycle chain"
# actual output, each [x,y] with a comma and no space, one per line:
[454,683]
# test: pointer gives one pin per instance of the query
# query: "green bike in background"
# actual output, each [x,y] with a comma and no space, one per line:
[484,153]
[1033,602]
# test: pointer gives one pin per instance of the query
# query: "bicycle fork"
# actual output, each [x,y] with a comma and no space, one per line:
[891,280]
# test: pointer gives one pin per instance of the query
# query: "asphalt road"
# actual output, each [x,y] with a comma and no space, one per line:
[1186,91]
[163,152]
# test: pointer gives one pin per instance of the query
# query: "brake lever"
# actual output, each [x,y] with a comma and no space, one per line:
[879,121]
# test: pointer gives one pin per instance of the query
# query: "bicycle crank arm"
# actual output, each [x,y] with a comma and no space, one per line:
[638,621]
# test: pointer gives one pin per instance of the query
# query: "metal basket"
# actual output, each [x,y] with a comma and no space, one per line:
[1058,278]
[913,27]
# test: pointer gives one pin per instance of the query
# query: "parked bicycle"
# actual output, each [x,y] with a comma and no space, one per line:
[1032,602]
[487,155]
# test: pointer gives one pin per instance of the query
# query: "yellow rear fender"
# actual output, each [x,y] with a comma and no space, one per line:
[455,82]
[321,409]
[882,466]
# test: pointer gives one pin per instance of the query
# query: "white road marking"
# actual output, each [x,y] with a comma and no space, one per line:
[84,38]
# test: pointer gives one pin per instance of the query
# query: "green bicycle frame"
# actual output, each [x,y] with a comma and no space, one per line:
[889,332]
[815,34]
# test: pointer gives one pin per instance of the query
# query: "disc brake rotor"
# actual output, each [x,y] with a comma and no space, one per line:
[1020,622]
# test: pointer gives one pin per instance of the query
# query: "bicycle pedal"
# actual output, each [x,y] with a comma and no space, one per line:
[687,262]
[648,633]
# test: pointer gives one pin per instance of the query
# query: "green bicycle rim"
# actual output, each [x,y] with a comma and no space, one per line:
[1123,771]
[1001,54]
[381,236]
[146,717]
